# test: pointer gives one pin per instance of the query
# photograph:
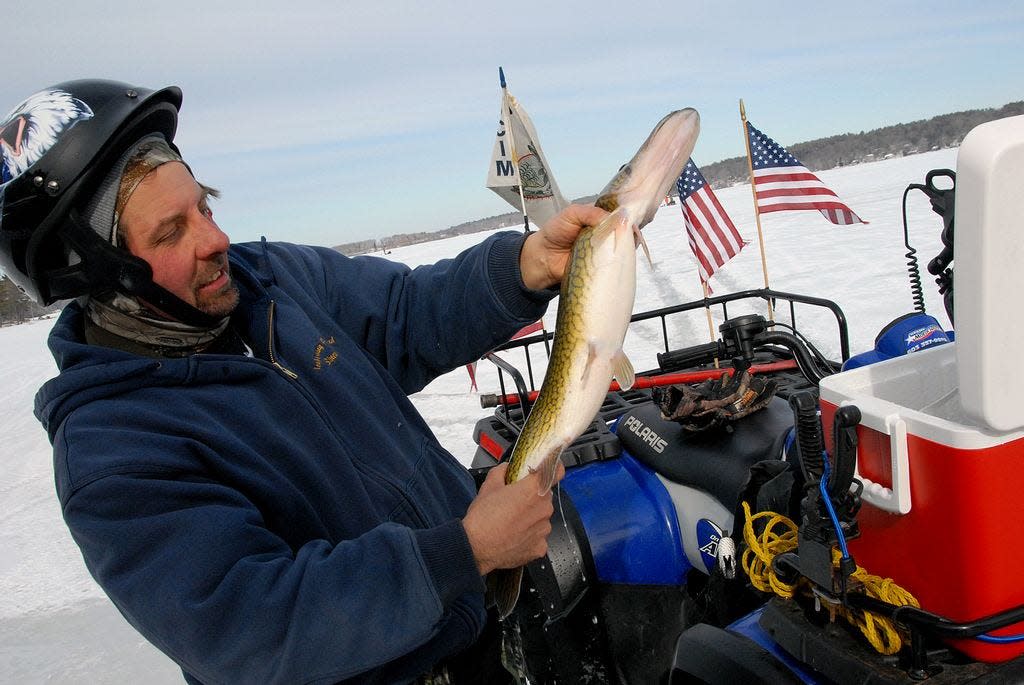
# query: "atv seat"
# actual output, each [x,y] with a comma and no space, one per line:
[715,461]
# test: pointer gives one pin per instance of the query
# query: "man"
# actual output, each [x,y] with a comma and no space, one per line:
[234,449]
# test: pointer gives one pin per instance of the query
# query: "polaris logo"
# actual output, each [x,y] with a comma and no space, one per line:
[637,428]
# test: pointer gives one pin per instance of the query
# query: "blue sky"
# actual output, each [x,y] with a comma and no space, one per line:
[327,122]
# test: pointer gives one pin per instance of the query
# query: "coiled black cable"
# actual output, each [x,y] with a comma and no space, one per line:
[913,269]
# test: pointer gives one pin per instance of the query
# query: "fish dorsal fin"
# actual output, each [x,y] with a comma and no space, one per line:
[622,369]
[503,587]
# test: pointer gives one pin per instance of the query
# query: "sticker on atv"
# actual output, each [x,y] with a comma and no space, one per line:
[708,537]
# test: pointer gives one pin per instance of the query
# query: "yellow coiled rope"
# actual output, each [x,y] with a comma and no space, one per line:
[779,535]
[761,549]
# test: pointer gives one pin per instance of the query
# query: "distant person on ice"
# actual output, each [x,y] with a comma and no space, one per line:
[234,449]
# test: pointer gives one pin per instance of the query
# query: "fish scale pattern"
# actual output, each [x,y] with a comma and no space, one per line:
[555,389]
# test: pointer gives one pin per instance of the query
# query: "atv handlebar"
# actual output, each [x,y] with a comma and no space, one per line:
[741,337]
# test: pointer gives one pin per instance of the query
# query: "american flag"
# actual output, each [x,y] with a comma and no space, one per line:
[782,183]
[712,235]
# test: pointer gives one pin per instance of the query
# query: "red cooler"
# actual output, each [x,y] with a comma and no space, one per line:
[943,497]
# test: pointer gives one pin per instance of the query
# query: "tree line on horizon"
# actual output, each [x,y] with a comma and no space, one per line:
[16,306]
[943,131]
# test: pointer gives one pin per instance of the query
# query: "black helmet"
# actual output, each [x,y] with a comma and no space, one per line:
[57,147]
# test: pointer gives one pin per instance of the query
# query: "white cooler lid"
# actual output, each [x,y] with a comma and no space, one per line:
[988,252]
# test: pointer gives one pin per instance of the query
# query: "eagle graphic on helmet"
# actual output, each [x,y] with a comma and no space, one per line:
[28,132]
[56,148]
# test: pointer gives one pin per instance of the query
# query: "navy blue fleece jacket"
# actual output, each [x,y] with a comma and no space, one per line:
[288,517]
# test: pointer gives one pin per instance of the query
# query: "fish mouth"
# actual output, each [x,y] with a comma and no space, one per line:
[643,182]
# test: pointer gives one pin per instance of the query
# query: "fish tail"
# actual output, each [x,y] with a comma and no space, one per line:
[503,587]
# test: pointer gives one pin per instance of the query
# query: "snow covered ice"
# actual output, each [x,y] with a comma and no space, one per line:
[57,626]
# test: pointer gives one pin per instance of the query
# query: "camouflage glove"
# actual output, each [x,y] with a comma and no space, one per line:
[714,402]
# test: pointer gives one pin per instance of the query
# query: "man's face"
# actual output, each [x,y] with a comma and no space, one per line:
[168,223]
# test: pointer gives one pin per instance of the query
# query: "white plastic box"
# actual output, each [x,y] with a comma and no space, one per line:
[988,253]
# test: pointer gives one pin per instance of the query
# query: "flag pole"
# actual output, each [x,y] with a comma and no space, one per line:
[512,143]
[707,309]
[522,198]
[757,213]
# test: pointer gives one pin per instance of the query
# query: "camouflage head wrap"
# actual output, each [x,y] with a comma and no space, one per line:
[105,208]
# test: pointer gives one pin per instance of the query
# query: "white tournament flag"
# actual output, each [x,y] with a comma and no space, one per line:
[519,173]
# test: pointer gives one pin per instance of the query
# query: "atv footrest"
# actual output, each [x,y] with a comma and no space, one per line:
[706,654]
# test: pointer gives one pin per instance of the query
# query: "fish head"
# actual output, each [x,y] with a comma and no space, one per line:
[641,184]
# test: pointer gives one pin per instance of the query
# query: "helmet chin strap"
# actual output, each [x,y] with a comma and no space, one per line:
[168,303]
[105,267]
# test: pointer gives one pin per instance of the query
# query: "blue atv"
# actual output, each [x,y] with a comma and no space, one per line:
[710,528]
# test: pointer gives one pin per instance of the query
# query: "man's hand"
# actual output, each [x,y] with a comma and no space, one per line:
[508,525]
[546,253]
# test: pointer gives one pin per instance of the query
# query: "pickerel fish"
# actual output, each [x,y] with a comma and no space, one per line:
[594,310]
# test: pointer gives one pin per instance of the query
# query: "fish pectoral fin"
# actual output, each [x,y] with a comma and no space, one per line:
[622,369]
[638,238]
[503,589]
[611,223]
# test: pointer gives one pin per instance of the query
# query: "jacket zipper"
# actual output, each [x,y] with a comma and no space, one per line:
[413,507]
[270,345]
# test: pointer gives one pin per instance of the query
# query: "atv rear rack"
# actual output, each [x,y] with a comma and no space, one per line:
[495,433]
[526,344]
